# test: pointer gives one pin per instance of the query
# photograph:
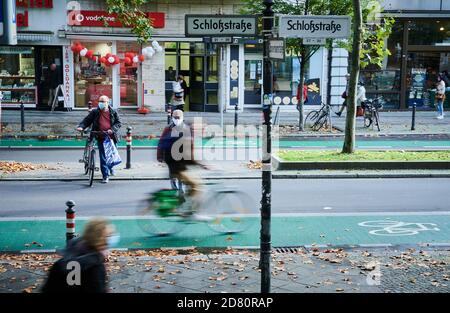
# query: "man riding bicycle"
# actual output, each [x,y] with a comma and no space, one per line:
[105,119]
[176,149]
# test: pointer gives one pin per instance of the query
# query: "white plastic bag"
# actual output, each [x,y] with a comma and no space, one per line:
[111,153]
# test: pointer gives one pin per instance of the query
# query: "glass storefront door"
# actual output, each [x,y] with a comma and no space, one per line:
[128,74]
[423,70]
[45,57]
[253,80]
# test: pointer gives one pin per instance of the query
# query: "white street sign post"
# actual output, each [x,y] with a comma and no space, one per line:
[198,25]
[314,26]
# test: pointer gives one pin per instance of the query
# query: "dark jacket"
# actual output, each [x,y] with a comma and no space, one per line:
[93,119]
[166,142]
[92,271]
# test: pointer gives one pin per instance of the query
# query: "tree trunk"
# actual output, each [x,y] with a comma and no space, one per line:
[349,141]
[301,124]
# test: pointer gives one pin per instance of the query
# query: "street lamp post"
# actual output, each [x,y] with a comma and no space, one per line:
[265,239]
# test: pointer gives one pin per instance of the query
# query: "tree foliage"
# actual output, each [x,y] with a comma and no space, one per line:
[129,13]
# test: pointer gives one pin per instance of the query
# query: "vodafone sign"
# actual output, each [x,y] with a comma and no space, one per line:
[98,19]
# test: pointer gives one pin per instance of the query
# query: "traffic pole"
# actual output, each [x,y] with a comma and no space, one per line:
[265,236]
[70,220]
[22,117]
[129,140]
[413,122]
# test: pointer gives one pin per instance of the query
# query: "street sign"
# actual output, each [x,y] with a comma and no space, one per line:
[314,41]
[314,26]
[276,49]
[220,25]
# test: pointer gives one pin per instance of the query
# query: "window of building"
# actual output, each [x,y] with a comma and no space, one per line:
[128,74]
[92,79]
[429,32]
[17,75]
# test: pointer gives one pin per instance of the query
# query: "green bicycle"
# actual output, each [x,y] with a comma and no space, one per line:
[168,211]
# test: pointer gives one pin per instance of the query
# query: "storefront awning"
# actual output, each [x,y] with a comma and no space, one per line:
[35,36]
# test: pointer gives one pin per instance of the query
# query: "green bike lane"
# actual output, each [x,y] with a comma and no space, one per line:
[240,143]
[287,231]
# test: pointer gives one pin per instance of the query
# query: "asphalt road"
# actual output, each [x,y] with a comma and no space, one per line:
[121,198]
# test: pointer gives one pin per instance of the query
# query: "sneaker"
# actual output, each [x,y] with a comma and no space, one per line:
[200,218]
[440,117]
[105,180]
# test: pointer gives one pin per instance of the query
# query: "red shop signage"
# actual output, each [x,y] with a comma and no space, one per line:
[97,18]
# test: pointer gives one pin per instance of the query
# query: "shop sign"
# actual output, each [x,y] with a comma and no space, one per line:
[22,18]
[220,25]
[98,19]
[16,50]
[314,26]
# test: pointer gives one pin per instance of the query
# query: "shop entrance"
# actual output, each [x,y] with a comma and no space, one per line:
[197,63]
[253,80]
[48,77]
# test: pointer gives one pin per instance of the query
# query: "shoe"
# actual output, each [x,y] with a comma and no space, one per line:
[339,114]
[105,180]
[440,117]
[200,218]
[112,172]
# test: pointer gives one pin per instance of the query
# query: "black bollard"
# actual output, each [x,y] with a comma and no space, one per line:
[169,114]
[22,117]
[129,139]
[70,220]
[235,120]
[413,122]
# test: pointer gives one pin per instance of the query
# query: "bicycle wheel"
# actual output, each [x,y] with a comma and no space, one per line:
[367,121]
[86,158]
[91,167]
[322,122]
[311,118]
[231,211]
[157,214]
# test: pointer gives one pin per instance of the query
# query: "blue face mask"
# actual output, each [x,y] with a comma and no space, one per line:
[101,105]
[113,240]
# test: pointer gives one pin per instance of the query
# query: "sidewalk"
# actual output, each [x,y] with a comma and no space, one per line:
[236,271]
[62,124]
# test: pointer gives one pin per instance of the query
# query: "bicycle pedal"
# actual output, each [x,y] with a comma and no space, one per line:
[96,169]
[80,161]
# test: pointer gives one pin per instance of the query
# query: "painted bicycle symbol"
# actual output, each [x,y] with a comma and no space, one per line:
[396,228]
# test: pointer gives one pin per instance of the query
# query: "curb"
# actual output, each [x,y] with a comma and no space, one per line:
[123,178]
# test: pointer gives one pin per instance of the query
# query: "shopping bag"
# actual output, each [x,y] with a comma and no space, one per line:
[111,153]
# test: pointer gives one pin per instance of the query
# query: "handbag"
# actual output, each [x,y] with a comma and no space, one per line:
[359,111]
[440,96]
[111,153]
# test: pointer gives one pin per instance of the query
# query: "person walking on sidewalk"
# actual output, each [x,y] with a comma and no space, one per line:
[440,97]
[176,149]
[344,96]
[52,80]
[86,255]
[103,118]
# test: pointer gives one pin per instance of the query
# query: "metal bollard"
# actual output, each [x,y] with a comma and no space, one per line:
[129,139]
[413,122]
[22,117]
[70,220]
[235,120]
[169,114]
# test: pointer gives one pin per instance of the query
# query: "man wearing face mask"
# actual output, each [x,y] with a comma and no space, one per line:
[176,149]
[103,118]
[89,252]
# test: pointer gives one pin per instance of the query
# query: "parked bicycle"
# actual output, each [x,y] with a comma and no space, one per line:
[371,112]
[318,119]
[89,155]
[167,211]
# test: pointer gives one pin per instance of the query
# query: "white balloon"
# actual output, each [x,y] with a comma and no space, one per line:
[159,49]
[144,50]
[83,52]
[111,60]
[155,44]
[135,59]
[151,50]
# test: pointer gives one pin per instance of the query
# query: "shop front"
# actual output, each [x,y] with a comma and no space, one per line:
[420,51]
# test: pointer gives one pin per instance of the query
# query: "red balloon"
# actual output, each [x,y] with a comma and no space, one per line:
[79,48]
[116,59]
[108,55]
[142,58]
[127,61]
[73,48]
[103,60]
[89,54]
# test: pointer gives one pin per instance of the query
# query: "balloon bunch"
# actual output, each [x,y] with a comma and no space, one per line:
[83,51]
[110,59]
[149,52]
[131,58]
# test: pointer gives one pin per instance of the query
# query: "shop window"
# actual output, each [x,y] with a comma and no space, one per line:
[197,48]
[211,69]
[92,79]
[128,74]
[17,75]
[430,32]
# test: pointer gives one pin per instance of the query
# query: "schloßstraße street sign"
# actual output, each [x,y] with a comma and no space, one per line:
[314,26]
[198,25]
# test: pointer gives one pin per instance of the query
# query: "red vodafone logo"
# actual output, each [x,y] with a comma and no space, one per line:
[98,19]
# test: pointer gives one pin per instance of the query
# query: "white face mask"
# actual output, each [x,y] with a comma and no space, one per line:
[177,122]
[101,105]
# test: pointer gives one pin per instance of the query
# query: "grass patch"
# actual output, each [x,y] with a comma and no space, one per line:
[363,155]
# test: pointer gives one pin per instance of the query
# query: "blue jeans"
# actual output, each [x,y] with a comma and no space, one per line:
[101,153]
[440,107]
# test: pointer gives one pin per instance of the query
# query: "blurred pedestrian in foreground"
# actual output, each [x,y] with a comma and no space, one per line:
[82,268]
